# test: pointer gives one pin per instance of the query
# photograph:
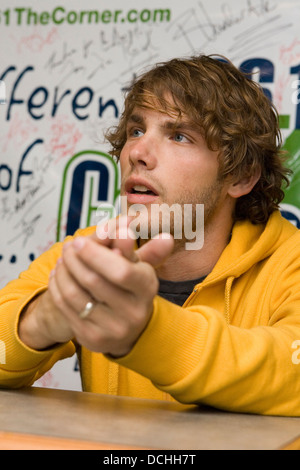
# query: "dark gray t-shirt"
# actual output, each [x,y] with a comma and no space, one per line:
[177,292]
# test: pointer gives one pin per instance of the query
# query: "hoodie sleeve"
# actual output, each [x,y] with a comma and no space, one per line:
[194,355]
[20,365]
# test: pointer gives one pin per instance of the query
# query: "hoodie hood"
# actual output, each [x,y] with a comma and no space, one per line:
[249,245]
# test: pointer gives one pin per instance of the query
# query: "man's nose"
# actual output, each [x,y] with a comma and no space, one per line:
[143,152]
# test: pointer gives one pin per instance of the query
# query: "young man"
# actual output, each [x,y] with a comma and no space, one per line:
[214,325]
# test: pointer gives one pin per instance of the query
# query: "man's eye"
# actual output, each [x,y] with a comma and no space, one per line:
[180,138]
[136,133]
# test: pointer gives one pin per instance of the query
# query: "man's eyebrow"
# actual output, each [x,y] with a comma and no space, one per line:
[171,124]
[136,118]
[179,124]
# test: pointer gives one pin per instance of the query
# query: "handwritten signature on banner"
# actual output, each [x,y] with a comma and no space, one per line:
[198,27]
[96,55]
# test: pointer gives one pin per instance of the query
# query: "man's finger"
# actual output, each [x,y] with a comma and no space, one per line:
[125,242]
[117,235]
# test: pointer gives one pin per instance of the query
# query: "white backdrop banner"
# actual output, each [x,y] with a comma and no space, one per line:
[64,69]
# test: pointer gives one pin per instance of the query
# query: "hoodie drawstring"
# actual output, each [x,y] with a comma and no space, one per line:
[227,298]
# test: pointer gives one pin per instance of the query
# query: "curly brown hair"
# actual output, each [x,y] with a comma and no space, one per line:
[232,113]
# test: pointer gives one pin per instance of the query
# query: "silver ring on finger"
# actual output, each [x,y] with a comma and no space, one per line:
[89,307]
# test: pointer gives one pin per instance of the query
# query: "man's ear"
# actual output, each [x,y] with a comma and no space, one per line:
[244,185]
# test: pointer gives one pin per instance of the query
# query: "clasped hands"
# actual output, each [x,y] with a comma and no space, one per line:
[120,282]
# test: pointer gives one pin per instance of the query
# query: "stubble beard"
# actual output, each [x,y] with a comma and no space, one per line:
[209,198]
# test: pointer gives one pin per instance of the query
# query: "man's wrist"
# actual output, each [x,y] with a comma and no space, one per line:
[29,332]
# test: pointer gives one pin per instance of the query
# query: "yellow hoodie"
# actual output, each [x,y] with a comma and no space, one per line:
[233,345]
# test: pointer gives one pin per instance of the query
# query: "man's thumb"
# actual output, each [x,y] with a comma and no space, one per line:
[156,250]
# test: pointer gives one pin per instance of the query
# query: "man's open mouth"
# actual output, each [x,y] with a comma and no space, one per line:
[139,192]
[141,189]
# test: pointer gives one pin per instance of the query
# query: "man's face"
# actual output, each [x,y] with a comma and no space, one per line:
[166,161]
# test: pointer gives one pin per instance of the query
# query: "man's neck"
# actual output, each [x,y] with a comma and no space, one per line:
[191,264]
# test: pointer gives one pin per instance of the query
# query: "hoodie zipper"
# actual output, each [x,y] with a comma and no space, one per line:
[113,378]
